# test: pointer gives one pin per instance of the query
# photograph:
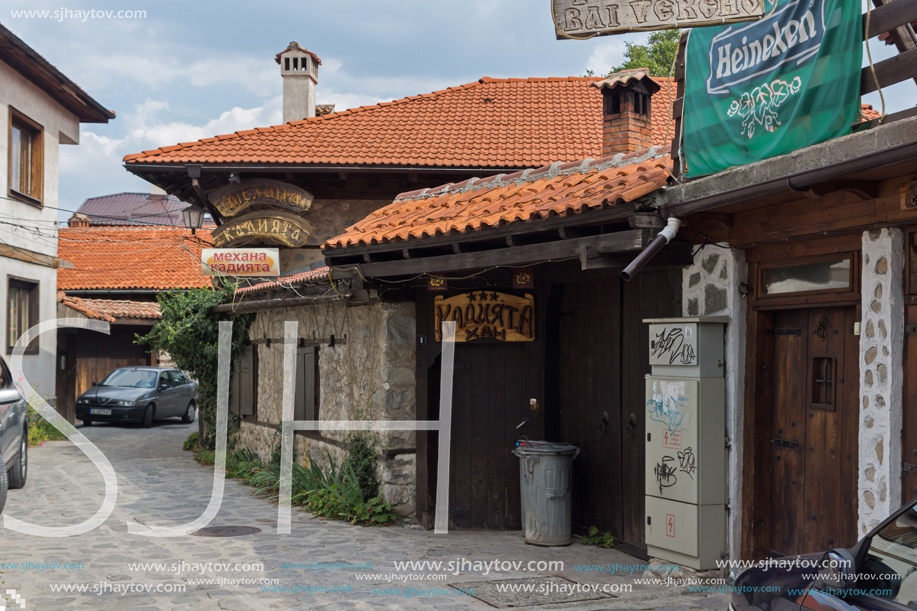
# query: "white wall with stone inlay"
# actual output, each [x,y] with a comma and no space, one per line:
[710,287]
[881,376]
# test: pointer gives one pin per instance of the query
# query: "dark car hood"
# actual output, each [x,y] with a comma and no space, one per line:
[107,394]
[787,579]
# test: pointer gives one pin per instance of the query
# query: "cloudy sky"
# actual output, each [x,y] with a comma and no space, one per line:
[198,68]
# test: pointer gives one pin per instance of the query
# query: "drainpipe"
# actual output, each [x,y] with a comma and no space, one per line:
[665,236]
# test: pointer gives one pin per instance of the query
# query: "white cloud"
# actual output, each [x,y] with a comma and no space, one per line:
[608,52]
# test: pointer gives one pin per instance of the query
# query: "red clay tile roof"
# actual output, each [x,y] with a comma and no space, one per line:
[152,258]
[473,205]
[868,113]
[110,310]
[492,123]
[313,275]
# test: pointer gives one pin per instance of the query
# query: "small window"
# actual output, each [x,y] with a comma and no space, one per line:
[306,404]
[243,385]
[830,275]
[823,387]
[22,312]
[26,160]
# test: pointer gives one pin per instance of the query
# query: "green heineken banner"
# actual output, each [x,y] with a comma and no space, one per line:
[767,88]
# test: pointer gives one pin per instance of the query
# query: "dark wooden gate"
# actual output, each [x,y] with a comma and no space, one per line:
[602,348]
[812,436]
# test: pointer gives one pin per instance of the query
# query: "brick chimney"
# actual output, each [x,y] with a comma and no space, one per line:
[299,69]
[78,220]
[626,111]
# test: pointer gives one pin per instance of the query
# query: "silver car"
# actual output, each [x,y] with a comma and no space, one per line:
[14,434]
[139,394]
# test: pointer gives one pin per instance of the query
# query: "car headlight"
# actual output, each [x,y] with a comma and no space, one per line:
[82,401]
[123,403]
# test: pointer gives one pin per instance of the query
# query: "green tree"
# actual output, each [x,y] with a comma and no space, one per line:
[189,333]
[657,54]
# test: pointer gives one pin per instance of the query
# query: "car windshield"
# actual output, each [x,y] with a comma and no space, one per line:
[133,378]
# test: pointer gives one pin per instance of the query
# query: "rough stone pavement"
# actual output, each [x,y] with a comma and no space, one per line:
[161,485]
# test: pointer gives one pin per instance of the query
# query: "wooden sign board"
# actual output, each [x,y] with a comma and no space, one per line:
[587,18]
[271,228]
[233,199]
[487,314]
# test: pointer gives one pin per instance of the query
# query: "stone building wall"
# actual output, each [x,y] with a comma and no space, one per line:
[367,375]
[881,376]
[711,287]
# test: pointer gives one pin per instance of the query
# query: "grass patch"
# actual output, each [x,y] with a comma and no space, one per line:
[599,539]
[334,492]
[41,430]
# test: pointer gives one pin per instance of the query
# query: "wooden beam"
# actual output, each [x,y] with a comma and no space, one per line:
[30,256]
[900,13]
[890,71]
[591,247]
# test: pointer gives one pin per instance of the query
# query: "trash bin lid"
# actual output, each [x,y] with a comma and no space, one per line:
[547,447]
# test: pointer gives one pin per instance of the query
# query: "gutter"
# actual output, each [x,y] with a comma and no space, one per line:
[280,168]
[665,236]
[793,182]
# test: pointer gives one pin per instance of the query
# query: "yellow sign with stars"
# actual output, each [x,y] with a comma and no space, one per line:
[487,315]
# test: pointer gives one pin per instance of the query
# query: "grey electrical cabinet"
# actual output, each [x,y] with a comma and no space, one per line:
[685,442]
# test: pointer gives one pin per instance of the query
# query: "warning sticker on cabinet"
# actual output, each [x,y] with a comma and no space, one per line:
[671,439]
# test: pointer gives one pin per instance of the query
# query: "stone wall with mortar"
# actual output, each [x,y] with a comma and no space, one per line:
[367,374]
[881,376]
[710,287]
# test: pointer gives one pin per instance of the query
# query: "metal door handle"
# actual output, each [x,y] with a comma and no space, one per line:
[631,427]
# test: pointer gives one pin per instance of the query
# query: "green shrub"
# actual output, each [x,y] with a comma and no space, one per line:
[191,443]
[41,430]
[361,456]
[205,457]
[598,539]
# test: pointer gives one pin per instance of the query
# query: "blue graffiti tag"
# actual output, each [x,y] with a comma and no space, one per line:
[669,411]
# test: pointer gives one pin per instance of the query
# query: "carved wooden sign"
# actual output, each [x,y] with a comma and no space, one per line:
[233,199]
[487,314]
[586,18]
[268,227]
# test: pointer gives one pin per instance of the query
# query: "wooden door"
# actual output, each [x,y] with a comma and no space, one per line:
[493,385]
[603,348]
[813,431]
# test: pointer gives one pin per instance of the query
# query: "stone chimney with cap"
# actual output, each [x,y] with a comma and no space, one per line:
[626,111]
[299,69]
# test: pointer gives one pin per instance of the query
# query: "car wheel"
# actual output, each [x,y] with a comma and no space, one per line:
[87,422]
[148,416]
[20,469]
[3,484]
[188,416]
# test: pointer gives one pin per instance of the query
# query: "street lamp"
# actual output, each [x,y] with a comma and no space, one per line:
[193,216]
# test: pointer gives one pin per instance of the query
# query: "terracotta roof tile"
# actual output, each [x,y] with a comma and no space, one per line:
[555,190]
[110,309]
[493,123]
[153,258]
[313,275]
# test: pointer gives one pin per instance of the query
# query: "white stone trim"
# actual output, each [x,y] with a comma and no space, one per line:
[881,377]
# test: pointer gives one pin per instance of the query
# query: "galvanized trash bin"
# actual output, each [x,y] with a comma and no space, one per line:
[547,470]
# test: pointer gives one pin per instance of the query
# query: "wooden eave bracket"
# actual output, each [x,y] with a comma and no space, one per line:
[862,189]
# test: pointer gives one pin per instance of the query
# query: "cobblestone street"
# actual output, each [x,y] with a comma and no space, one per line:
[163,486]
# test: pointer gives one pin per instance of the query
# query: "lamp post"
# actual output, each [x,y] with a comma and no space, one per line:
[193,216]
